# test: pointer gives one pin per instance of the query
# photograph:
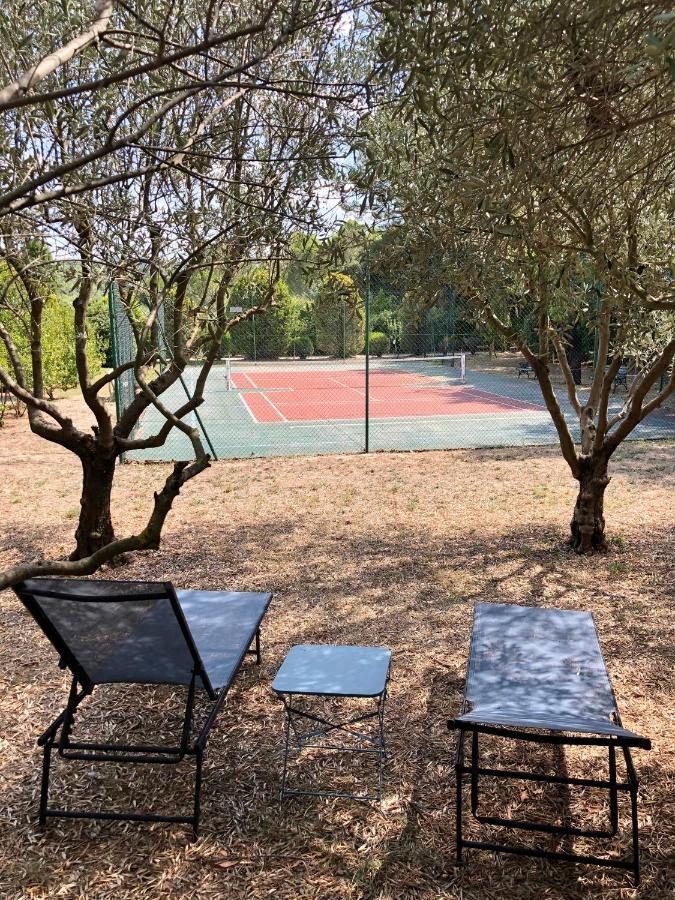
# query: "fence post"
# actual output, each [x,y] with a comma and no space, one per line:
[367,391]
[112,315]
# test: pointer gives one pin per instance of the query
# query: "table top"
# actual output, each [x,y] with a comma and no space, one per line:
[334,671]
[542,668]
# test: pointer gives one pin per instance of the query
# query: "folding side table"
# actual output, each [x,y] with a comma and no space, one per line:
[325,671]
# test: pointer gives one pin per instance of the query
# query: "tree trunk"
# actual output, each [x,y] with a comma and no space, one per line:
[588,522]
[95,528]
[575,353]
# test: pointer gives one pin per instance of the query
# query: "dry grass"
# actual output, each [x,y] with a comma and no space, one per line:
[390,549]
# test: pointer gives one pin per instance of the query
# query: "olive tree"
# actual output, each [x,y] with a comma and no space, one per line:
[166,164]
[526,151]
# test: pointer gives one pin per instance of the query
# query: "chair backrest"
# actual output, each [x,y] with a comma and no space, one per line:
[116,631]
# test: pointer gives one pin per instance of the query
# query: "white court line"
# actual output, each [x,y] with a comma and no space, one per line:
[250,380]
[265,397]
[246,406]
[248,409]
[406,419]
[274,407]
[348,386]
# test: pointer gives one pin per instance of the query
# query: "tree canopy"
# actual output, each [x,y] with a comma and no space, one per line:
[525,156]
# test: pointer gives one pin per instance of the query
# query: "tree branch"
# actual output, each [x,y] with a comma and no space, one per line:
[148,539]
[636,412]
[541,371]
[572,395]
[55,59]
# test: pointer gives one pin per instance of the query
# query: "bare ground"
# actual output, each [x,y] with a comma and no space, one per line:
[391,549]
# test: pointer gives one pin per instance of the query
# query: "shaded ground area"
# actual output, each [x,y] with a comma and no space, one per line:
[389,549]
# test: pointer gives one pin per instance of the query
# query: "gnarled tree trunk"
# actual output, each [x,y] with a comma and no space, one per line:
[95,528]
[588,522]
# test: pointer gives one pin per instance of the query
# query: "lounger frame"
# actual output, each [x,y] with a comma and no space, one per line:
[553,734]
[58,736]
[475,771]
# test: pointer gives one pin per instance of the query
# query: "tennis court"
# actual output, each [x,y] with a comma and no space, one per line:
[306,395]
[297,407]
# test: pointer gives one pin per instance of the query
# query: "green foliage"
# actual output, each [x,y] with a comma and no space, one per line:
[304,346]
[338,316]
[412,324]
[264,335]
[379,343]
[58,342]
[98,314]
[299,270]
[226,345]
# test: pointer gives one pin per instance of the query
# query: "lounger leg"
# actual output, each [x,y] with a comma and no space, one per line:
[383,748]
[198,791]
[258,658]
[286,743]
[44,786]
[474,773]
[459,764]
[636,839]
[613,796]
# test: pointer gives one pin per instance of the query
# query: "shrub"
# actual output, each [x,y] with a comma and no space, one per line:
[59,368]
[379,343]
[304,346]
[338,316]
[264,336]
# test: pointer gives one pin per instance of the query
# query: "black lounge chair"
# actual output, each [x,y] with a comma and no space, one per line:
[538,675]
[136,632]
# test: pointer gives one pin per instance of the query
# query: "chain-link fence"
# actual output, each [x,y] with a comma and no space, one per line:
[123,349]
[357,364]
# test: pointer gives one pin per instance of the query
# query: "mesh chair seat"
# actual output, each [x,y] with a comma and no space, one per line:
[138,632]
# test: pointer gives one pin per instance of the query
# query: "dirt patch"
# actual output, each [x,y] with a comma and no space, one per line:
[391,549]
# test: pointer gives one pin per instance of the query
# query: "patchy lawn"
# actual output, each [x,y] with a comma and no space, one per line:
[391,549]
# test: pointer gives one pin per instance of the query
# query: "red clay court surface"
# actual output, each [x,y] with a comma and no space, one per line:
[309,396]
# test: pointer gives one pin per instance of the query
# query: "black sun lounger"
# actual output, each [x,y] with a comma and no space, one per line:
[134,632]
[538,675]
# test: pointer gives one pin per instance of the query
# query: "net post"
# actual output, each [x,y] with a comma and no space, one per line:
[462,372]
[228,373]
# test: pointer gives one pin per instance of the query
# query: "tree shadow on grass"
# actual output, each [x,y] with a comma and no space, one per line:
[414,593]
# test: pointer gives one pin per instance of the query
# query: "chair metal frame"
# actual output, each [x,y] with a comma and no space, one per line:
[559,738]
[58,734]
[475,771]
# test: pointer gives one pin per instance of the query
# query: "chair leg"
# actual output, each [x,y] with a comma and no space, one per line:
[44,785]
[636,836]
[198,790]
[459,764]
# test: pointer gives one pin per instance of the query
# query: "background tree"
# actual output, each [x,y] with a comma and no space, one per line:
[539,165]
[338,316]
[263,336]
[59,365]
